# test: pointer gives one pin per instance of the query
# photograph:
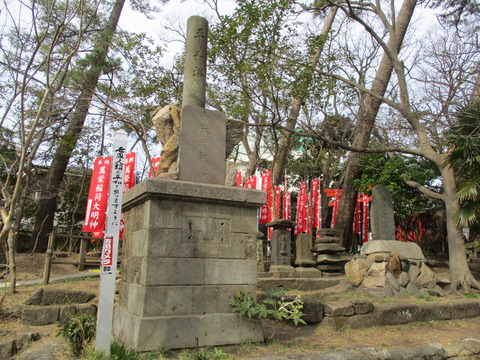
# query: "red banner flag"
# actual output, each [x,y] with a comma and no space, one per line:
[301,210]
[128,183]
[266,209]
[336,201]
[251,183]
[356,217]
[96,211]
[316,204]
[238,179]
[365,218]
[129,174]
[155,164]
[287,206]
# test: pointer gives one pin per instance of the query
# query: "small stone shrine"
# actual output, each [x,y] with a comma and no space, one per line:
[281,255]
[189,244]
[387,267]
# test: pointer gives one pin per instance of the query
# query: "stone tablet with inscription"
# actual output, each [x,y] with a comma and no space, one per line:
[381,214]
[201,156]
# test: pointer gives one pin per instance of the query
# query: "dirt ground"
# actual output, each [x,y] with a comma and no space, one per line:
[287,338]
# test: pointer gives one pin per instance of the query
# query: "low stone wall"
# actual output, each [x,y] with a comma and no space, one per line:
[361,313]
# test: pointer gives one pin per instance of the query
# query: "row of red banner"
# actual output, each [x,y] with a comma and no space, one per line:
[308,210]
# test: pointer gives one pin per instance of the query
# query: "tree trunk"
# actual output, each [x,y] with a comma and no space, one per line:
[284,142]
[48,198]
[365,121]
[459,270]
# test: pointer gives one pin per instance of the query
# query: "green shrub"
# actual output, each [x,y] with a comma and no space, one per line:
[79,331]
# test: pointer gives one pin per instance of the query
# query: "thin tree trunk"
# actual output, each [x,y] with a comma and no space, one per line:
[365,122]
[48,199]
[459,270]
[284,142]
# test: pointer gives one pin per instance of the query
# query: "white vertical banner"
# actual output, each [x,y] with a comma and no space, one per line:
[108,267]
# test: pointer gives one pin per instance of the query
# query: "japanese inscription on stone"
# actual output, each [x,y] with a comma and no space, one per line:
[382,220]
[201,156]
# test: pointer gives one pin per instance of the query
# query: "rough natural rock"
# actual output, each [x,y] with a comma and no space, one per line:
[426,278]
[378,257]
[375,276]
[394,265]
[355,270]
[403,279]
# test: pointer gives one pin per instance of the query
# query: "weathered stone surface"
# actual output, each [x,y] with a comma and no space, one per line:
[195,67]
[40,316]
[362,306]
[378,257]
[355,270]
[395,314]
[381,214]
[426,278]
[303,255]
[433,311]
[393,281]
[465,309]
[201,154]
[61,296]
[281,245]
[403,279]
[375,276]
[329,259]
[394,265]
[327,239]
[405,250]
[330,268]
[339,309]
[413,272]
[325,248]
[313,310]
[412,288]
[353,322]
[423,352]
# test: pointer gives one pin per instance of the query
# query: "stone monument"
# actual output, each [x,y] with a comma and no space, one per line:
[383,229]
[381,214]
[189,244]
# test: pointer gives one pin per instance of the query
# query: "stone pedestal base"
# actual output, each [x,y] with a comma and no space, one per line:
[282,271]
[307,273]
[188,249]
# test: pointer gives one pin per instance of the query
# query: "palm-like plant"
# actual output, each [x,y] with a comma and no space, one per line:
[464,156]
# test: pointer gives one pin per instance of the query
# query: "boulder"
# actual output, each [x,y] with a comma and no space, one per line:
[355,270]
[376,276]
[404,250]
[426,278]
[394,265]
[378,257]
[403,279]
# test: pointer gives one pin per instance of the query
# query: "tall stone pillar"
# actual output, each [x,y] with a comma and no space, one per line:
[195,72]
[188,248]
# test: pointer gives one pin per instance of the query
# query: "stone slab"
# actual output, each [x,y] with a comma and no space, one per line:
[182,331]
[191,192]
[381,214]
[201,154]
[405,250]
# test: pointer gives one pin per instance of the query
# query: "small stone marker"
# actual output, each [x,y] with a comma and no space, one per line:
[201,157]
[382,221]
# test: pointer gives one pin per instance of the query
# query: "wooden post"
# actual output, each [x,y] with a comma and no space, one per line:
[82,254]
[48,260]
